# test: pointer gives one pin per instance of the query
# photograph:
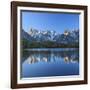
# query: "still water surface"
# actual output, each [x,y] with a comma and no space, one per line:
[49,62]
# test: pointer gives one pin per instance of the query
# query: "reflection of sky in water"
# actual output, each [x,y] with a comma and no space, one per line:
[53,62]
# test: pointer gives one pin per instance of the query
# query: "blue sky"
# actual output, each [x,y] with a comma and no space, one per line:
[58,22]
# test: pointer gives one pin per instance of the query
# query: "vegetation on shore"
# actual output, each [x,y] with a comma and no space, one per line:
[47,44]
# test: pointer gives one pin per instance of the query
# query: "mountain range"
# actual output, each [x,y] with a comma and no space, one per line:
[68,38]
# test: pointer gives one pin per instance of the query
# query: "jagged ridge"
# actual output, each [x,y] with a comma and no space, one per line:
[51,37]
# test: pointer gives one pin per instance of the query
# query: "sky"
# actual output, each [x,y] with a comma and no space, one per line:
[42,21]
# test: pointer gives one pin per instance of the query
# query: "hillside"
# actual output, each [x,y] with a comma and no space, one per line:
[49,39]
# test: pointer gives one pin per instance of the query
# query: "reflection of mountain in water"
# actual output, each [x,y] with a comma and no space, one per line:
[35,56]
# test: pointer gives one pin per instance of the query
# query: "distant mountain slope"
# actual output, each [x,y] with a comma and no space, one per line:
[25,35]
[51,37]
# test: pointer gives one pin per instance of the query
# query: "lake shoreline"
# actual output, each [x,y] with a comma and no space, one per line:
[45,49]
